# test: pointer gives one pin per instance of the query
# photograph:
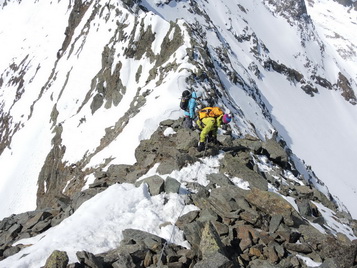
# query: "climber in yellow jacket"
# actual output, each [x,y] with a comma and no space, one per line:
[209,128]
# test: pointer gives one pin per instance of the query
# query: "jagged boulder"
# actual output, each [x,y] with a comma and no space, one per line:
[141,249]
[81,197]
[215,260]
[172,185]
[58,259]
[342,252]
[275,152]
[88,259]
[269,202]
[210,241]
[155,183]
[11,251]
[172,153]
[231,165]
[21,226]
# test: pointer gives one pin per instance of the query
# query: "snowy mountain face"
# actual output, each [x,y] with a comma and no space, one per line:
[84,83]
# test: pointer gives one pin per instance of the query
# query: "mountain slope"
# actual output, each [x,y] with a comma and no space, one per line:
[242,206]
[82,83]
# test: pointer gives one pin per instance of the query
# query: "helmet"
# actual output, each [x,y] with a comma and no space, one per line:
[226,118]
[198,94]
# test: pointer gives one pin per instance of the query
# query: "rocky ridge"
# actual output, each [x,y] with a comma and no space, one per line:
[234,227]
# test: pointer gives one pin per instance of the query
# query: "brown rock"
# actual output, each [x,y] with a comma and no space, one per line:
[269,202]
[254,251]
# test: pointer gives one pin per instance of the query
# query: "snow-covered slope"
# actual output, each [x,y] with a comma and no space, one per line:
[335,23]
[81,83]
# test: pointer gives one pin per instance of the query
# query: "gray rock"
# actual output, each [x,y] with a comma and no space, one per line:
[172,185]
[311,235]
[304,207]
[151,241]
[330,263]
[89,260]
[343,253]
[122,253]
[80,197]
[304,191]
[167,166]
[217,202]
[252,143]
[275,222]
[12,232]
[219,179]
[137,172]
[269,202]
[155,184]
[234,168]
[262,264]
[41,226]
[186,219]
[192,232]
[167,123]
[210,241]
[251,216]
[326,201]
[57,259]
[123,261]
[215,260]
[118,172]
[222,229]
[301,247]
[227,199]
[207,215]
[22,218]
[11,251]
[185,139]
[276,153]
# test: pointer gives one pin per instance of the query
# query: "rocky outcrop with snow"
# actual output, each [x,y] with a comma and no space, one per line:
[276,220]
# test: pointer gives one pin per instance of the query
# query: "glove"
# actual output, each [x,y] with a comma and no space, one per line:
[201,146]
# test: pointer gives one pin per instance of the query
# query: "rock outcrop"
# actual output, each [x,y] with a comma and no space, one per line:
[234,227]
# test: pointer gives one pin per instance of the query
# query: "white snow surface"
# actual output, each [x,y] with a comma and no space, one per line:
[320,130]
[97,225]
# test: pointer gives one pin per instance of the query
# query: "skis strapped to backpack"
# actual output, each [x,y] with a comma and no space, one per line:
[210,112]
[186,96]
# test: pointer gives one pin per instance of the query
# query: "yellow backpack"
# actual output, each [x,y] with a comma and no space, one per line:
[210,112]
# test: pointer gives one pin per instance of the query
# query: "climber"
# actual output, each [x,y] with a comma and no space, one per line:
[209,122]
[190,112]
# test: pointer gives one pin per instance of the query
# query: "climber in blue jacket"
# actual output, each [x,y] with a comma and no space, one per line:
[190,114]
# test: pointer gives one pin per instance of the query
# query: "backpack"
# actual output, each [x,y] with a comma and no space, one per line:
[186,96]
[210,112]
